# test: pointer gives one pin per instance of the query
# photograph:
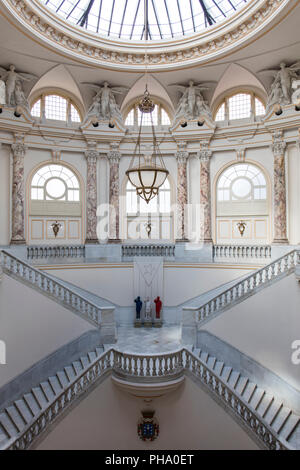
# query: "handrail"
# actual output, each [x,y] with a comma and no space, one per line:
[78,303]
[182,360]
[55,251]
[162,249]
[242,251]
[243,288]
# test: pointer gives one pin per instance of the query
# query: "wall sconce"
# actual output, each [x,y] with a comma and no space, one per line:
[111,125]
[95,122]
[241,227]
[200,123]
[148,228]
[183,124]
[55,227]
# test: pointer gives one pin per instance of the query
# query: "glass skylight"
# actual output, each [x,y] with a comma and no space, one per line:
[124,19]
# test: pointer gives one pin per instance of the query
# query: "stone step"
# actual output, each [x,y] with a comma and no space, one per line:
[99,351]
[289,426]
[226,373]
[249,391]
[265,404]
[257,398]
[8,425]
[15,417]
[92,356]
[3,434]
[273,411]
[63,379]
[32,403]
[281,419]
[219,367]
[234,377]
[47,389]
[77,366]
[70,373]
[56,386]
[241,385]
[84,361]
[211,362]
[24,410]
[40,397]
[204,356]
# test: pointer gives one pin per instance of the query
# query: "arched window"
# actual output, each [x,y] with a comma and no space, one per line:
[240,106]
[158,212]
[242,195]
[159,116]
[55,183]
[242,182]
[55,196]
[56,107]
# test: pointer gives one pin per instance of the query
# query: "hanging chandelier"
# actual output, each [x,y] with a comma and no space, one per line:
[147,173]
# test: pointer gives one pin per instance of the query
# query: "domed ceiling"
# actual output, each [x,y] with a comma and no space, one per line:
[125,19]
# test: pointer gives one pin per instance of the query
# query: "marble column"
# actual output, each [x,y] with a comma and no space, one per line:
[205,194]
[91,155]
[114,156]
[280,224]
[18,191]
[182,197]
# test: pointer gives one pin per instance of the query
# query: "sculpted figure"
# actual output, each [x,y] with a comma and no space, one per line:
[2,92]
[296,92]
[284,77]
[11,77]
[20,97]
[138,307]
[147,309]
[158,307]
[191,103]
[108,108]
[275,96]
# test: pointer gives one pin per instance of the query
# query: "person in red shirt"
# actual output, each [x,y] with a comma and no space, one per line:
[158,306]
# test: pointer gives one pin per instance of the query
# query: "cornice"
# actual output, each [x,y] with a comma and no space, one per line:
[46,27]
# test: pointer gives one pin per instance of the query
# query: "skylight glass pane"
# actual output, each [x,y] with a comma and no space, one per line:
[165,120]
[239,106]
[122,18]
[74,114]
[220,116]
[130,118]
[260,110]
[36,109]
[56,108]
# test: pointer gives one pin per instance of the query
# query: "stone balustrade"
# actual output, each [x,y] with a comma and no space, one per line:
[55,251]
[141,368]
[166,250]
[41,281]
[242,289]
[242,252]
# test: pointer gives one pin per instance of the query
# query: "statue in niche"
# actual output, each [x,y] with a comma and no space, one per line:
[158,307]
[138,307]
[283,77]
[148,309]
[2,92]
[296,92]
[20,97]
[275,96]
[11,78]
[191,104]
[104,105]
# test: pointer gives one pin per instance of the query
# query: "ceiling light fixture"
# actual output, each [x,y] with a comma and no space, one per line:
[147,173]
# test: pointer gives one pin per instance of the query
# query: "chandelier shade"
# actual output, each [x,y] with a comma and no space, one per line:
[147,180]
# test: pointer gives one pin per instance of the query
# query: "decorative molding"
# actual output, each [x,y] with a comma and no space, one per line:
[204,154]
[278,146]
[114,154]
[115,53]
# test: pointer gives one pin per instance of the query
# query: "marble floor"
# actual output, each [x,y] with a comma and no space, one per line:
[148,340]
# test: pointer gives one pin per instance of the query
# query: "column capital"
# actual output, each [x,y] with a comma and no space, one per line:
[278,143]
[18,147]
[91,153]
[114,154]
[204,154]
[182,156]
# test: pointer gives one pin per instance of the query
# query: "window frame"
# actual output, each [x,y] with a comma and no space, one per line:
[160,107]
[43,187]
[254,94]
[71,101]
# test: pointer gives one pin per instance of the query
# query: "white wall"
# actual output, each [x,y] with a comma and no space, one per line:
[264,327]
[32,327]
[115,283]
[107,419]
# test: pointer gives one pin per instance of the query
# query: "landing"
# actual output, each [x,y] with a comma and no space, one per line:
[148,340]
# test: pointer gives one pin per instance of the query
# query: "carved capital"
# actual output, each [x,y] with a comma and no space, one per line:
[278,146]
[91,154]
[18,150]
[114,155]
[204,154]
